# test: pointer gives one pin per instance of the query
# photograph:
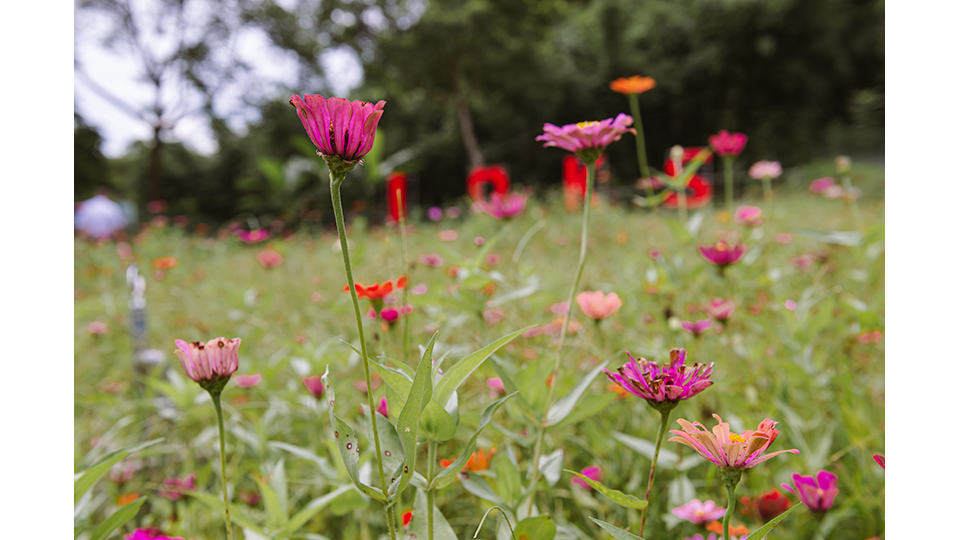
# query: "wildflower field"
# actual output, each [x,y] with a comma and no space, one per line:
[784,345]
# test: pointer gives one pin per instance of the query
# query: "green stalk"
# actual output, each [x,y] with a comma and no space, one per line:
[767,188]
[682,206]
[431,492]
[728,180]
[641,145]
[591,172]
[664,419]
[215,396]
[335,183]
[848,187]
[403,271]
[730,480]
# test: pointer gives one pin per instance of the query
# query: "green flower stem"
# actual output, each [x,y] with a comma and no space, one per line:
[591,173]
[664,419]
[215,396]
[728,180]
[641,145]
[848,188]
[403,271]
[731,477]
[767,188]
[682,206]
[431,492]
[335,181]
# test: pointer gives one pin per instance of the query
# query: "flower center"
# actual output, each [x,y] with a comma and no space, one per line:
[582,125]
[736,438]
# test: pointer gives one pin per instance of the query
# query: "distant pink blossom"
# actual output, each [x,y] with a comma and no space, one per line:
[448,235]
[314,385]
[269,258]
[435,213]
[655,254]
[597,305]
[493,316]
[252,237]
[433,260]
[765,169]
[783,238]
[697,512]
[749,216]
[588,138]
[176,486]
[559,308]
[816,492]
[821,184]
[420,288]
[502,206]
[453,212]
[721,309]
[874,337]
[722,254]
[697,328]
[479,240]
[247,381]
[592,472]
[493,259]
[97,328]
[495,384]
[384,408]
[392,313]
[790,304]
[728,144]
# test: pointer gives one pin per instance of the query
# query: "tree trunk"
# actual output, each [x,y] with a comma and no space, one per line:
[466,130]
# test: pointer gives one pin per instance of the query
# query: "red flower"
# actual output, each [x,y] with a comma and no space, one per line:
[377,291]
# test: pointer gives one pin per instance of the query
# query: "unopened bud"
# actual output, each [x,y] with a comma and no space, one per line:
[843,164]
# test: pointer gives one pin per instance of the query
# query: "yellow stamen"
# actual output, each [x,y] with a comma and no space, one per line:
[582,125]
[737,438]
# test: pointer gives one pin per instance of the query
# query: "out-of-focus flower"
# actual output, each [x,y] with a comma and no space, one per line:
[722,254]
[479,460]
[250,498]
[783,238]
[726,449]
[502,206]
[420,288]
[821,184]
[453,212]
[253,237]
[790,305]
[448,235]
[339,128]
[655,254]
[727,144]
[697,328]
[843,164]
[314,385]
[697,512]
[149,533]
[435,213]
[495,384]
[211,362]
[766,505]
[620,391]
[749,216]
[124,471]
[248,381]
[493,316]
[124,499]
[597,305]
[376,292]
[874,336]
[803,261]
[479,241]
[99,217]
[559,308]
[155,207]
[406,518]
[164,263]
[383,407]
[375,381]
[493,259]
[124,251]
[390,314]
[587,139]
[97,328]
[592,472]
[815,492]
[881,460]
[663,386]
[175,486]
[765,169]
[633,85]
[735,531]
[433,260]
[721,309]
[269,258]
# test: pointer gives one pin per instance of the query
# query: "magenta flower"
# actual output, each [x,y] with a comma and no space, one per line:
[816,492]
[749,216]
[821,184]
[765,169]
[149,533]
[881,460]
[722,254]
[339,128]
[392,313]
[697,328]
[495,384]
[720,309]
[384,408]
[252,237]
[697,512]
[176,486]
[663,386]
[729,450]
[435,213]
[248,381]
[597,305]
[728,144]
[314,385]
[502,206]
[209,363]
[433,260]
[587,139]
[592,472]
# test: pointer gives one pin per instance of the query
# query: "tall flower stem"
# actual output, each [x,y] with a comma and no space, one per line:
[335,182]
[641,144]
[682,204]
[215,396]
[538,448]
[403,270]
[731,477]
[728,180]
[664,419]
[431,492]
[767,188]
[848,188]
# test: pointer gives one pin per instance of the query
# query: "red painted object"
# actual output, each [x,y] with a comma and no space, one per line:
[575,173]
[495,175]
[699,190]
[397,181]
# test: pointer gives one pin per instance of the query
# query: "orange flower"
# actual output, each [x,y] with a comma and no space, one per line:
[616,388]
[124,499]
[717,527]
[633,85]
[164,263]
[377,291]
[479,460]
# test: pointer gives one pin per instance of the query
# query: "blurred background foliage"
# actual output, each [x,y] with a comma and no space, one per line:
[473,81]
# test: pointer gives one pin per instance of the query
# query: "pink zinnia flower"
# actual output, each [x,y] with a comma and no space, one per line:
[448,235]
[493,316]
[729,450]
[213,361]
[314,385]
[663,386]
[177,486]
[749,216]
[821,184]
[421,288]
[269,258]
[502,206]
[592,472]
[790,304]
[697,328]
[384,408]
[493,259]
[597,305]
[98,328]
[559,308]
[721,309]
[816,492]
[495,384]
[252,237]
[697,512]
[149,533]
[765,169]
[587,139]
[728,144]
[248,381]
[433,260]
[339,128]
[479,240]
[722,254]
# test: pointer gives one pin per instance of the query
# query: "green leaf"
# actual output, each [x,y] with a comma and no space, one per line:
[762,531]
[276,508]
[437,424]
[619,497]
[840,238]
[616,532]
[93,473]
[565,405]
[408,422]
[536,528]
[418,527]
[645,448]
[237,514]
[322,463]
[459,372]
[509,483]
[118,518]
[588,406]
[313,508]
[347,443]
[477,485]
[551,465]
[449,474]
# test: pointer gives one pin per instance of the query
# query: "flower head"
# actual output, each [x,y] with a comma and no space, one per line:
[821,184]
[248,381]
[592,472]
[502,206]
[252,237]
[881,460]
[720,309]
[176,486]
[597,305]
[816,492]
[697,328]
[165,263]
[722,254]
[728,144]
[749,216]
[633,85]
[212,363]
[697,512]
[433,260]
[766,505]
[587,139]
[765,169]
[663,386]
[314,385]
[435,213]
[269,258]
[338,127]
[149,533]
[384,408]
[377,291]
[495,384]
[726,449]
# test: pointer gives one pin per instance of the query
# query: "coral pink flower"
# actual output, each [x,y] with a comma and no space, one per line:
[722,254]
[721,309]
[252,237]
[697,328]
[597,305]
[765,169]
[502,206]
[729,450]
[421,288]
[817,493]
[339,128]
[314,385]
[495,384]
[870,337]
[493,259]
[269,258]
[749,216]
[697,512]
[592,472]
[177,486]
[783,238]
[384,408]
[663,385]
[587,139]
[728,144]
[559,308]
[433,260]
[448,235]
[248,381]
[98,328]
[478,240]
[821,184]
[212,361]
[493,316]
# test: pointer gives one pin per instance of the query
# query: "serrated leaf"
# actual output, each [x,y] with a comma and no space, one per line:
[116,519]
[408,422]
[619,497]
[313,508]
[449,474]
[536,528]
[616,532]
[564,406]
[768,526]
[93,473]
[459,372]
